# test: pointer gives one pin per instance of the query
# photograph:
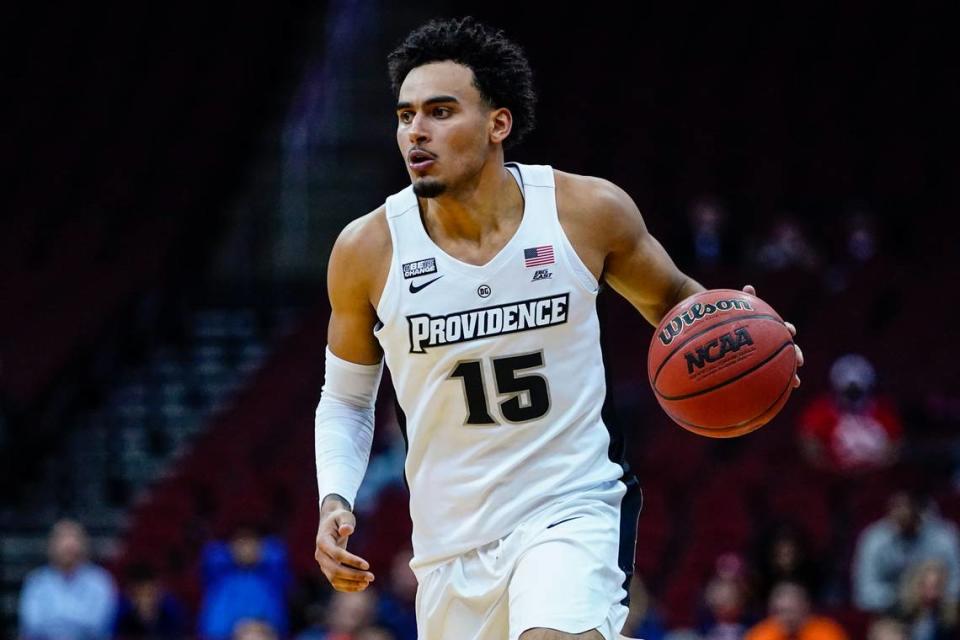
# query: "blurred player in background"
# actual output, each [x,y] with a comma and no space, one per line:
[477,285]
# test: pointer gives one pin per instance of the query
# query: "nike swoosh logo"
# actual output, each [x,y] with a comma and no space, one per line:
[562,521]
[415,288]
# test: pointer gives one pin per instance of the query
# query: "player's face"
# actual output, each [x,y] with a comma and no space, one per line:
[443,127]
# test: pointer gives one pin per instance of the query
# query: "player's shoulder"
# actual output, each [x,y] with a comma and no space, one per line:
[369,231]
[591,198]
[363,248]
[365,238]
[596,213]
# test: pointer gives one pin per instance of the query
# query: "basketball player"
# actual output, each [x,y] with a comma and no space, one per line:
[476,284]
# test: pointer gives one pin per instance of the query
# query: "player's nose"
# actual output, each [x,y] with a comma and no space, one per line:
[417,131]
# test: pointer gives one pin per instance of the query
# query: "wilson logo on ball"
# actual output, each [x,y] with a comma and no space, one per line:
[695,313]
[727,343]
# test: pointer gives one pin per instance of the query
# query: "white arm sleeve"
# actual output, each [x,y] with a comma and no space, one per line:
[343,428]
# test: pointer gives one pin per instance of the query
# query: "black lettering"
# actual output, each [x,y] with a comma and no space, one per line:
[671,331]
[694,360]
[706,350]
[726,344]
[431,331]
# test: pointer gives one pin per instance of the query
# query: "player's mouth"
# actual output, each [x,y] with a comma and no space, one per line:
[420,160]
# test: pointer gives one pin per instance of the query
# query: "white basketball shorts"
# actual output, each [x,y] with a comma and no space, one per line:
[557,570]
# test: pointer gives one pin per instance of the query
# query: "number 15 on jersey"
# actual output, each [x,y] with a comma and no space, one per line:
[527,393]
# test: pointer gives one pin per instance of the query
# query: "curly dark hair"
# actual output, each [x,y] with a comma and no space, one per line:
[500,68]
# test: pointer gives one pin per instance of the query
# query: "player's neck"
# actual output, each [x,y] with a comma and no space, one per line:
[492,202]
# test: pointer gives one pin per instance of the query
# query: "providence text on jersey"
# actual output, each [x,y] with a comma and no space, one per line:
[462,326]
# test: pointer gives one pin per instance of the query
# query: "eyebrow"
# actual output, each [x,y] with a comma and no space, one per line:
[428,101]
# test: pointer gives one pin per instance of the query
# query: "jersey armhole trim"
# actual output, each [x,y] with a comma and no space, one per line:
[580,271]
[574,263]
[389,297]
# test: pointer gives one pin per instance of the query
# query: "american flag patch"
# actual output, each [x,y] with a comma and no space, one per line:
[537,256]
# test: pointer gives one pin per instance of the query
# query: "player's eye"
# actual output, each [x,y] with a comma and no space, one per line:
[406,116]
[441,112]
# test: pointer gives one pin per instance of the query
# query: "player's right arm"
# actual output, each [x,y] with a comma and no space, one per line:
[344,422]
[355,277]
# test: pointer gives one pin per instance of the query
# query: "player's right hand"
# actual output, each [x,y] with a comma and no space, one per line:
[345,571]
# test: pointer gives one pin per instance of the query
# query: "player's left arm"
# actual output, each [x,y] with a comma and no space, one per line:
[636,265]
[630,259]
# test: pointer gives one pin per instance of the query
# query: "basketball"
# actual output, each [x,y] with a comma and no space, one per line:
[721,363]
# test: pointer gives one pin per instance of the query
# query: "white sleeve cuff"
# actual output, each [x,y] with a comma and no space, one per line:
[343,426]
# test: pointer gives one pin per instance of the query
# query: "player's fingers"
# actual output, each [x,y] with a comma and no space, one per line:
[792,329]
[346,524]
[750,289]
[796,378]
[326,543]
[343,575]
[349,585]
[323,559]
[333,570]
[327,547]
[341,572]
[345,557]
[346,574]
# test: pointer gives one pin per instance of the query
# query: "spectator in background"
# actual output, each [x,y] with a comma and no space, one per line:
[71,598]
[682,634]
[786,246]
[643,621]
[350,613]
[790,618]
[146,610]
[905,536]
[726,616]
[708,230]
[861,235]
[315,616]
[253,630]
[395,610]
[887,629]
[924,604]
[348,616]
[246,578]
[851,430]
[859,243]
[785,557]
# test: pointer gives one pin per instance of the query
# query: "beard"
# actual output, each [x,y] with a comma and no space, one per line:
[428,188]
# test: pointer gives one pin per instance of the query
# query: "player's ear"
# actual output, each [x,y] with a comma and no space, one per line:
[500,124]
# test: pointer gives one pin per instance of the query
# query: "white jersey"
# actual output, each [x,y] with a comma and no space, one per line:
[498,372]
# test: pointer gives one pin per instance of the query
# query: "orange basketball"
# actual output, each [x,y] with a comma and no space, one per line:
[721,363]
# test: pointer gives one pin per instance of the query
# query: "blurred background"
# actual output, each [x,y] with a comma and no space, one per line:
[176,176]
